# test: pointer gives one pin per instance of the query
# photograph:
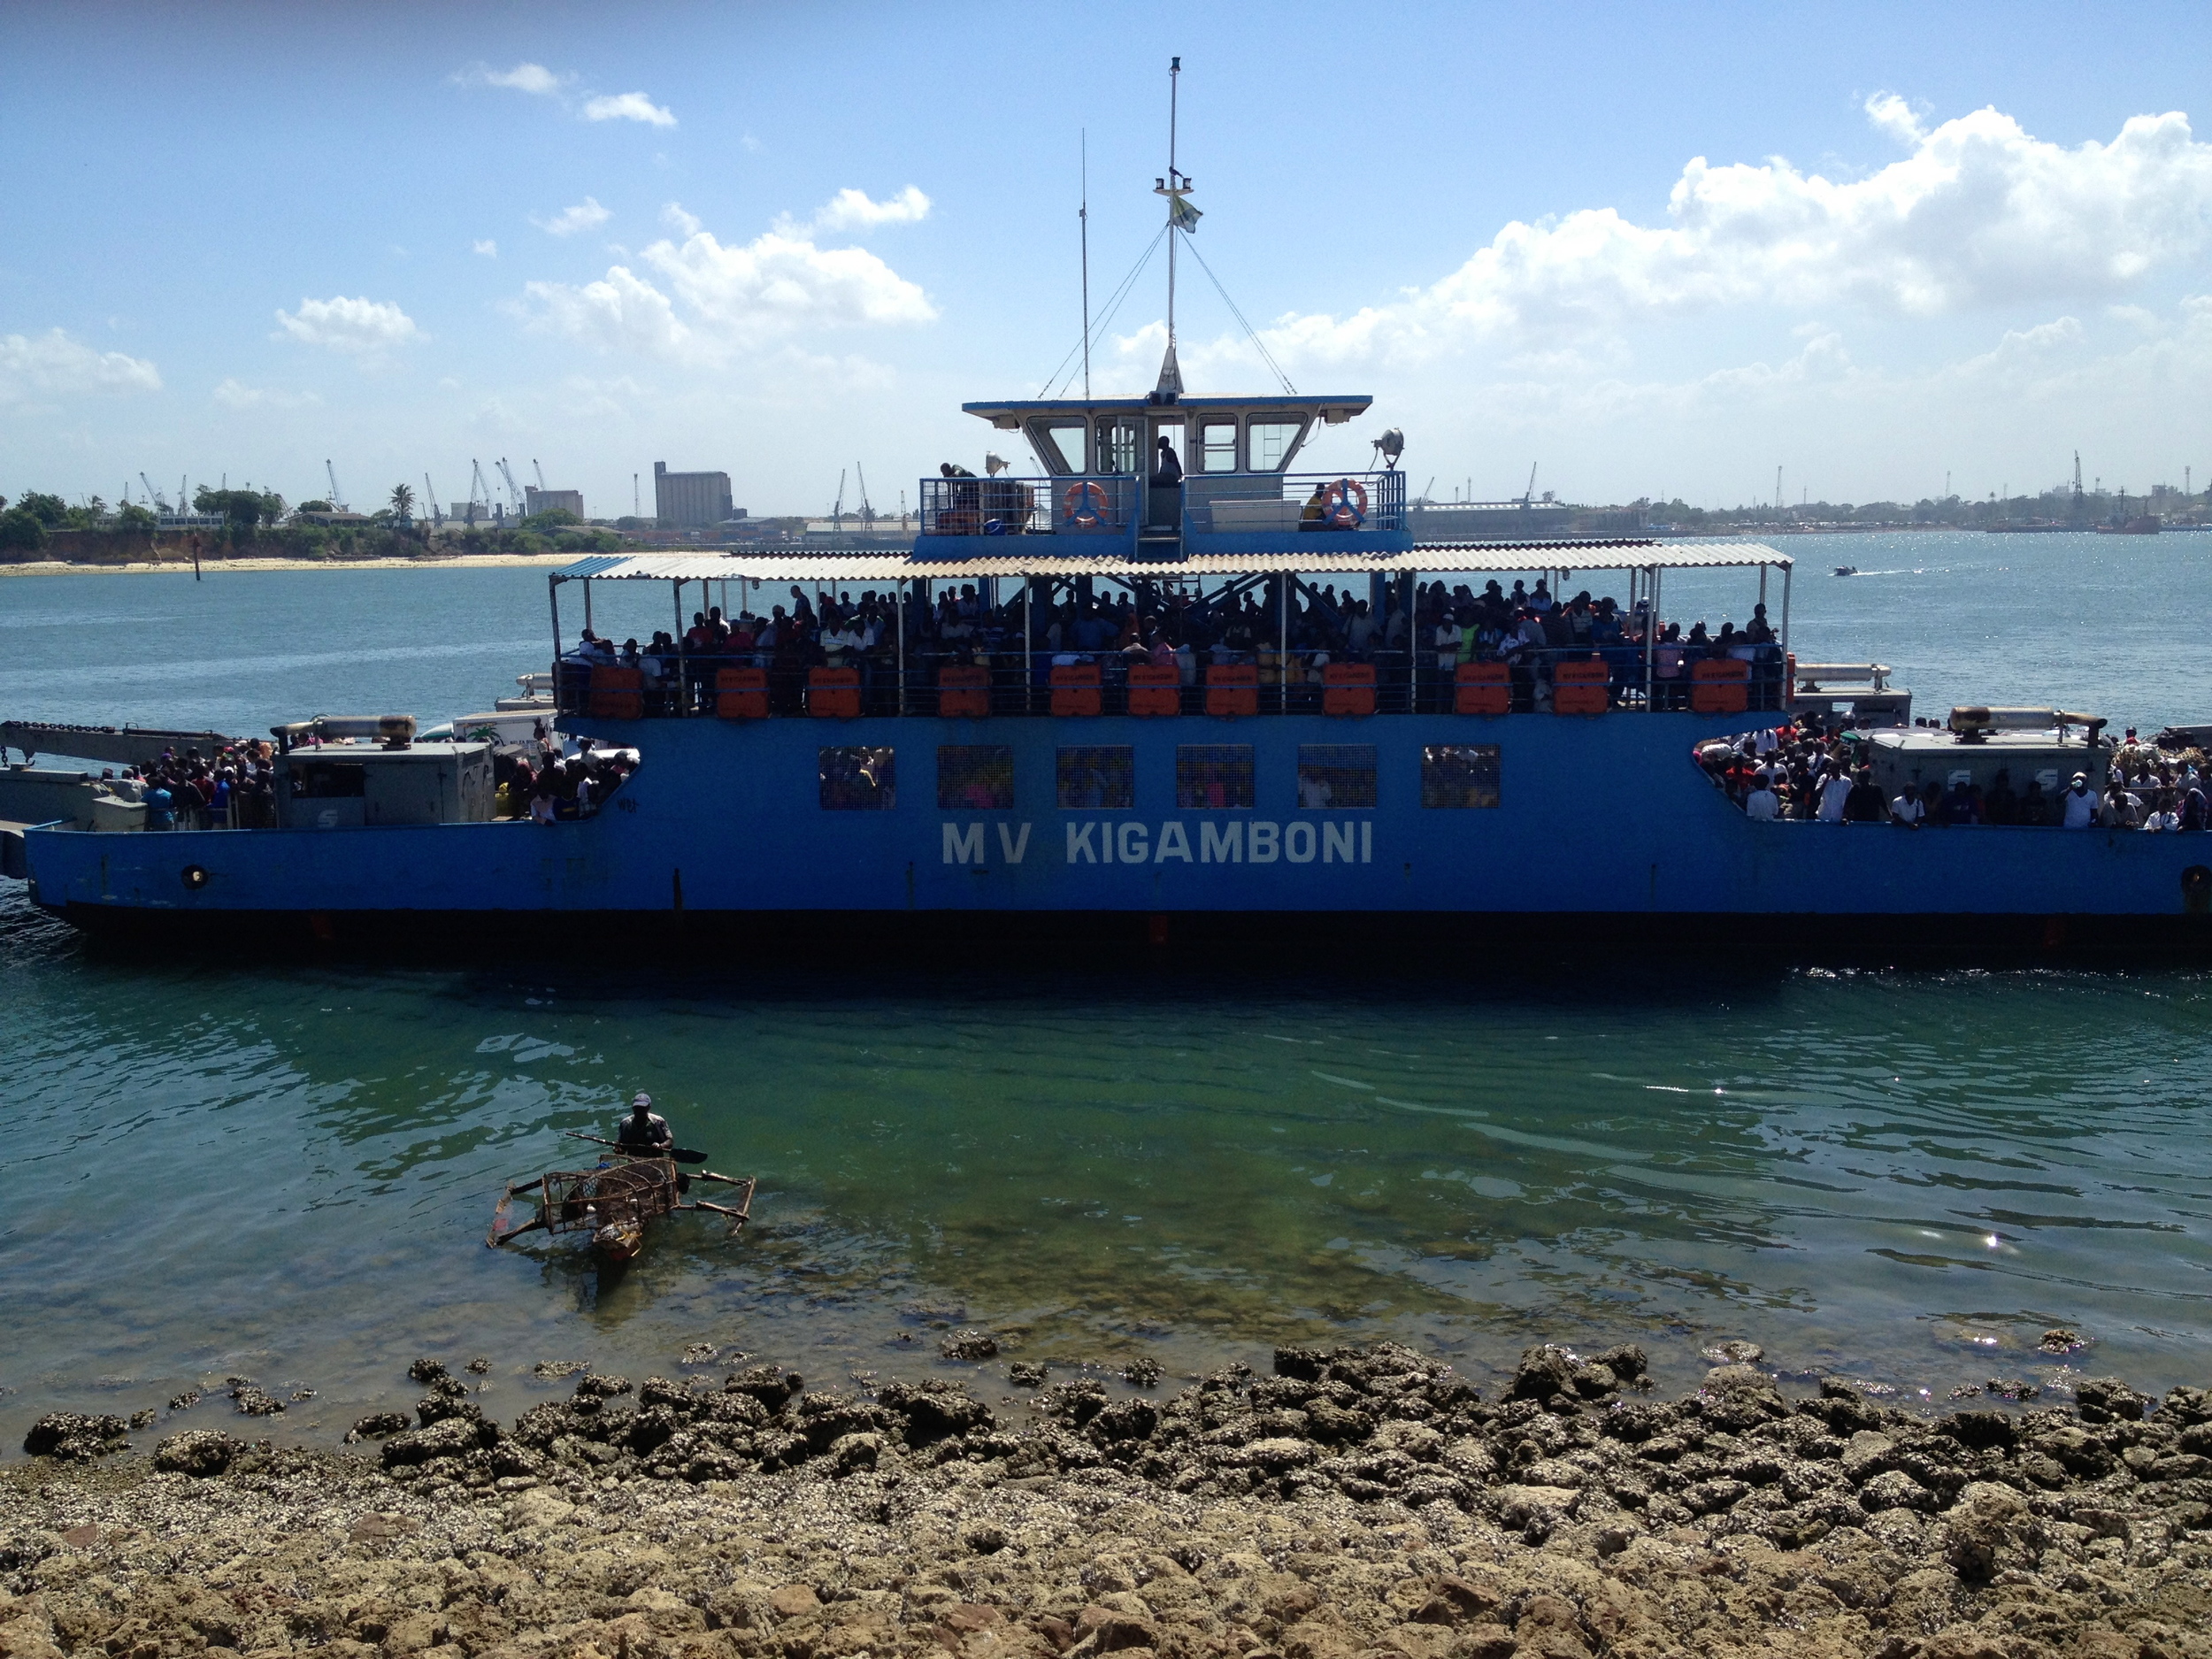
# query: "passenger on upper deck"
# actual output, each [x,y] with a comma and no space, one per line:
[1167,470]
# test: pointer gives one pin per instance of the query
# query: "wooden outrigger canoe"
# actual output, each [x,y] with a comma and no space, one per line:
[612,1202]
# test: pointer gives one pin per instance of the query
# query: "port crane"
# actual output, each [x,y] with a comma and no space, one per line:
[337,501]
[430,495]
[479,490]
[159,506]
[514,490]
[867,510]
[1528,495]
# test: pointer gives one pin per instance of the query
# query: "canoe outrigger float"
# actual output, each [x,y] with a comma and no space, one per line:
[613,1200]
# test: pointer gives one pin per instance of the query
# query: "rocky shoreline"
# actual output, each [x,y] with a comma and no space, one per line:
[1357,1502]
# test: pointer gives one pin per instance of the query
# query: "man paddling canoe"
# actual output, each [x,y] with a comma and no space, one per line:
[644,1132]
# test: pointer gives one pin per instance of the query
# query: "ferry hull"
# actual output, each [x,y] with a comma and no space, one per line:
[1604,820]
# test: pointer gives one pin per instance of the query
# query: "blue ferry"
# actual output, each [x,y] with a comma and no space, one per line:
[1169,687]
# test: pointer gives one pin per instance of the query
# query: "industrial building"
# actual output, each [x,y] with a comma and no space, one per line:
[690,499]
[535,501]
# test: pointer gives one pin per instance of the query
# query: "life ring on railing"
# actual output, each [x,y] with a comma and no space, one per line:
[1074,512]
[1339,509]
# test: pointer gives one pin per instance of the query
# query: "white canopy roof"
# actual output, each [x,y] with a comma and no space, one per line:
[1440,559]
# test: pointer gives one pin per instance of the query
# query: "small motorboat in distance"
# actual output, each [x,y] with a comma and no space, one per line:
[1846,570]
[612,1200]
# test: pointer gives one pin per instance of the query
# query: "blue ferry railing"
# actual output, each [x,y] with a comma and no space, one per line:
[1278,503]
[1019,677]
[1092,504]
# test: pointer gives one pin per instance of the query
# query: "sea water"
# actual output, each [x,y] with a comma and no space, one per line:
[214,1169]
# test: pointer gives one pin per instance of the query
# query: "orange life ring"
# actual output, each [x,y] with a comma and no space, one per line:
[1338,508]
[1074,507]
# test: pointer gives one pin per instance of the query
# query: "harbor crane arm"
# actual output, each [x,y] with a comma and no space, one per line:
[514,490]
[337,501]
[159,506]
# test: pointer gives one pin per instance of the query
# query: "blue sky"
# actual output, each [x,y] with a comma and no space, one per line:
[1646,249]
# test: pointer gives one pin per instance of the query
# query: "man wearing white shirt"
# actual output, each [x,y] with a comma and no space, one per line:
[1762,803]
[1835,789]
[2078,805]
[1907,812]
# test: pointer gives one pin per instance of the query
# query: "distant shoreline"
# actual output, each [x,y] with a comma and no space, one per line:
[172,567]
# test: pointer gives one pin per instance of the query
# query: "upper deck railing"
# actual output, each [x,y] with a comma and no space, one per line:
[1108,505]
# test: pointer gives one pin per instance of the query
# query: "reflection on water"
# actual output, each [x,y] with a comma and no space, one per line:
[219,1169]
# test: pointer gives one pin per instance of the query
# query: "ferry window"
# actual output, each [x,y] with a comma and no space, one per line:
[329,781]
[1274,442]
[1063,446]
[1217,445]
[1117,444]
[859,780]
[1213,775]
[979,777]
[1332,776]
[1459,775]
[1102,776]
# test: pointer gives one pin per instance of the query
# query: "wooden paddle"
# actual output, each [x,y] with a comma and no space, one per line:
[682,1155]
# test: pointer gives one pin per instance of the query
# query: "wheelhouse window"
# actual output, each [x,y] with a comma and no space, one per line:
[859,780]
[1063,446]
[1274,442]
[1097,777]
[1120,443]
[1459,775]
[975,778]
[1212,776]
[1217,450]
[1332,777]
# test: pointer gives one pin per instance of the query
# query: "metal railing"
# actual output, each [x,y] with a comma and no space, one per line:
[1228,504]
[1090,505]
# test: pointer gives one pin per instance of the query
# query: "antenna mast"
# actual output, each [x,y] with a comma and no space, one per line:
[1181,219]
[1084,216]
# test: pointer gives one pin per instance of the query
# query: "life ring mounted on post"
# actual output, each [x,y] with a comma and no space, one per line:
[1346,508]
[1084,506]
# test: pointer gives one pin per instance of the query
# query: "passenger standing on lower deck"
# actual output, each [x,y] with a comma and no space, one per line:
[2078,807]
[1835,792]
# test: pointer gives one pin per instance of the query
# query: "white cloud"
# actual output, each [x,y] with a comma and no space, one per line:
[55,362]
[234,394]
[586,215]
[532,78]
[683,223]
[712,300]
[488,248]
[852,210]
[628,106]
[363,328]
[1980,214]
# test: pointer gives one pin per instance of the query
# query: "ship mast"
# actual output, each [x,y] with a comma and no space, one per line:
[1181,219]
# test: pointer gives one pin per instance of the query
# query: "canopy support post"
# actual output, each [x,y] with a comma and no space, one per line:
[586,604]
[1651,633]
[683,662]
[899,589]
[1786,608]
[1029,639]
[1282,652]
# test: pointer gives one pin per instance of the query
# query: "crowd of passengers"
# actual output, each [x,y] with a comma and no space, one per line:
[1526,628]
[232,788]
[235,788]
[1799,771]
[547,786]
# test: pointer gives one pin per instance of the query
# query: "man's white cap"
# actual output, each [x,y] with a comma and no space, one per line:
[641,1099]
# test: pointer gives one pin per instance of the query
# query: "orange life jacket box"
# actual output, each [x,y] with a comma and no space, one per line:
[964,692]
[1233,689]
[1482,688]
[740,693]
[834,692]
[1155,690]
[617,694]
[1581,686]
[1720,686]
[1347,688]
[1075,687]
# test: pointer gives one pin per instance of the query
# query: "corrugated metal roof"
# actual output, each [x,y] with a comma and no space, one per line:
[1436,560]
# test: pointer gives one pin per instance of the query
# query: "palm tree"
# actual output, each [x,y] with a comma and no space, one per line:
[403,501]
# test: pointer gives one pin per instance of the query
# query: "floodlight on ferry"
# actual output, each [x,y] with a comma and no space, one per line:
[1390,446]
[993,464]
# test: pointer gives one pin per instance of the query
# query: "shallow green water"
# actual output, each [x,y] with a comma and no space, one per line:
[213,1168]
